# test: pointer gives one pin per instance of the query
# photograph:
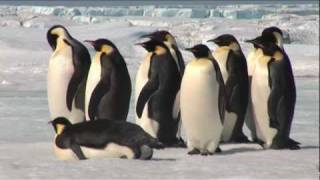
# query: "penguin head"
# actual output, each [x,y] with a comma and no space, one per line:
[274,35]
[153,45]
[162,36]
[226,40]
[54,33]
[59,124]
[268,48]
[103,45]
[200,51]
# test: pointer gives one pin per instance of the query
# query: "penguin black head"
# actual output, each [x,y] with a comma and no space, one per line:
[268,48]
[273,35]
[152,45]
[162,36]
[226,40]
[200,51]
[54,33]
[59,124]
[103,45]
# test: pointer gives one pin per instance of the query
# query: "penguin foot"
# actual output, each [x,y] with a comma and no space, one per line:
[123,157]
[241,139]
[194,151]
[204,153]
[218,150]
[285,144]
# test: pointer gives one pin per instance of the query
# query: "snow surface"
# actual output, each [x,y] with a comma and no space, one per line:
[26,138]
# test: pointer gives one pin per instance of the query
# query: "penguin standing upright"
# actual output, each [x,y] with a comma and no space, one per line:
[108,88]
[155,101]
[142,76]
[68,69]
[273,35]
[233,67]
[202,102]
[273,95]
[101,138]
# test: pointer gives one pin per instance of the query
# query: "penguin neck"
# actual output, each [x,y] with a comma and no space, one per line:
[60,43]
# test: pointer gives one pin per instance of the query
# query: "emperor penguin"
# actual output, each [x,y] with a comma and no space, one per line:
[155,101]
[273,95]
[108,88]
[67,73]
[202,102]
[169,40]
[274,35]
[234,71]
[101,139]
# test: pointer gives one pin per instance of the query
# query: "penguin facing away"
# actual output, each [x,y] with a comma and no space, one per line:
[234,71]
[273,96]
[168,39]
[202,102]
[108,88]
[67,73]
[273,35]
[157,97]
[101,139]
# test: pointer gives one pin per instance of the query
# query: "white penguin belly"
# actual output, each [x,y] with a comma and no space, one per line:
[112,150]
[260,92]
[93,79]
[145,122]
[60,72]
[199,106]
[230,119]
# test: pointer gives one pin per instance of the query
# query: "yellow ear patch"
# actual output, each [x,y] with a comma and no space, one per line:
[170,39]
[234,46]
[58,31]
[106,49]
[278,56]
[160,50]
[60,128]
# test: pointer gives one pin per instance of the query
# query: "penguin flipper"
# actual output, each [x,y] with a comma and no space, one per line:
[145,94]
[77,150]
[180,59]
[222,91]
[99,91]
[72,88]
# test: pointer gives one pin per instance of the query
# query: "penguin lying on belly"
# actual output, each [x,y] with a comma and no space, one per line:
[102,138]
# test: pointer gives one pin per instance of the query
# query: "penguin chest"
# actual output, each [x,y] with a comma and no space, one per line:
[199,102]
[147,124]
[60,72]
[221,55]
[252,57]
[93,79]
[260,92]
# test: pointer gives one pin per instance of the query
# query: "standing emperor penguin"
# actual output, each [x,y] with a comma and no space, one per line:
[271,34]
[108,88]
[67,73]
[101,139]
[234,71]
[202,102]
[273,95]
[142,76]
[156,99]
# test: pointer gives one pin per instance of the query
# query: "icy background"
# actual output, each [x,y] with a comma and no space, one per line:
[25,136]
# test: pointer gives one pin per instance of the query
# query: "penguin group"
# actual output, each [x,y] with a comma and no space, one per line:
[211,97]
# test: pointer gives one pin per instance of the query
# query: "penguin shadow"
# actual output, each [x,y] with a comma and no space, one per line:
[238,150]
[309,147]
[163,159]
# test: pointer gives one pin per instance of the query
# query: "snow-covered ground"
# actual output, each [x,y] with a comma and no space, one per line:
[25,136]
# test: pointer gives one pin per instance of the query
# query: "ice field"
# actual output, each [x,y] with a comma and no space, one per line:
[26,138]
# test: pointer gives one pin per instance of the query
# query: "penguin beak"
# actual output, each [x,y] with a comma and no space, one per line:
[147,35]
[214,40]
[90,42]
[257,41]
[189,49]
[139,44]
